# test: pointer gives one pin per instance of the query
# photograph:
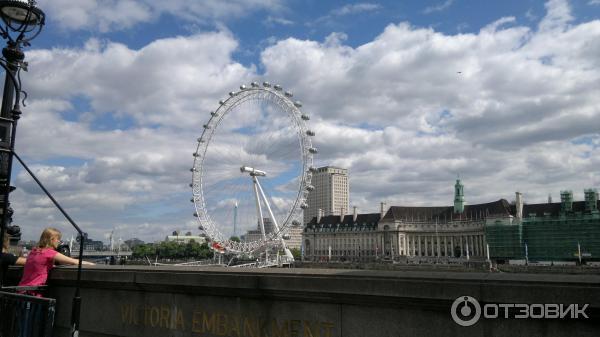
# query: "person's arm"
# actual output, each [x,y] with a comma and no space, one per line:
[21,261]
[62,259]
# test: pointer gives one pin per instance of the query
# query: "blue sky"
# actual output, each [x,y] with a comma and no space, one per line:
[405,94]
[315,20]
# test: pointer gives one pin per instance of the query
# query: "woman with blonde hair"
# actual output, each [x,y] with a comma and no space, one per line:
[42,258]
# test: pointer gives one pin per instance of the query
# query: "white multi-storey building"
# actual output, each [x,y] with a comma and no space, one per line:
[331,193]
[294,237]
[405,232]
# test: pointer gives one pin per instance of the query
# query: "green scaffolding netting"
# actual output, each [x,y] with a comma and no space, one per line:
[546,238]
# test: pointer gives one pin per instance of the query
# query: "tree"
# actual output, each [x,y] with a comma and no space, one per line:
[188,234]
[235,238]
[205,251]
[170,250]
[174,250]
[193,249]
[296,253]
[147,249]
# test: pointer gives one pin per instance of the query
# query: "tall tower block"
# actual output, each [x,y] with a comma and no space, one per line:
[331,193]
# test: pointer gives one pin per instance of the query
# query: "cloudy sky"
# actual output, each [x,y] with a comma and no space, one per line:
[406,95]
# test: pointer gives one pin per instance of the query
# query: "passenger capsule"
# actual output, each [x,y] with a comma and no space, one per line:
[214,114]
[254,84]
[206,126]
[305,117]
[277,87]
[286,236]
[298,104]
[310,188]
[303,206]
[312,169]
[295,223]
[243,87]
[310,133]
[200,140]
[266,84]
[288,94]
[312,150]
[191,185]
[221,102]
[195,214]
[232,93]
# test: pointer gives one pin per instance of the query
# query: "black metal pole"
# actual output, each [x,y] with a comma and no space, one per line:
[9,113]
[9,85]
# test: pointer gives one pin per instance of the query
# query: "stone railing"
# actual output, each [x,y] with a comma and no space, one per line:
[204,301]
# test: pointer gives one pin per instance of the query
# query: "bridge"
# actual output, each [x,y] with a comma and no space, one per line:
[101,253]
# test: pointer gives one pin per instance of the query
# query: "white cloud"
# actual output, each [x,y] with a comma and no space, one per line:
[271,21]
[557,17]
[162,93]
[158,84]
[530,15]
[111,15]
[104,16]
[414,107]
[508,108]
[355,9]
[494,26]
[439,7]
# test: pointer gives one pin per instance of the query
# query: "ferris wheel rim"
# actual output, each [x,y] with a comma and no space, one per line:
[297,118]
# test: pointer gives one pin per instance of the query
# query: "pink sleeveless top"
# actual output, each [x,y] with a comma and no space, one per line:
[39,263]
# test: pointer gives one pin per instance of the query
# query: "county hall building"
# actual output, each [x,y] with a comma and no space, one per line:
[400,232]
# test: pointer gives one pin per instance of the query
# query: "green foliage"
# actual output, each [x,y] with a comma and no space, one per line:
[235,238]
[174,250]
[142,250]
[296,253]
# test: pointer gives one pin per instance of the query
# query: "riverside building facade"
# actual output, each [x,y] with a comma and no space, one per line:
[405,232]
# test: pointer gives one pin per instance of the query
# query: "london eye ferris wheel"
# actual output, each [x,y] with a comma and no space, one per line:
[252,169]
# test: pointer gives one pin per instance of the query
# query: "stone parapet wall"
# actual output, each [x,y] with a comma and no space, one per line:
[176,301]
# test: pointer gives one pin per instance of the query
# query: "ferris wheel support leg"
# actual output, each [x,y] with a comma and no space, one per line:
[288,253]
[259,209]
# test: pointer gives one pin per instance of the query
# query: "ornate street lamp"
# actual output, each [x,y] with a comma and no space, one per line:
[21,22]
